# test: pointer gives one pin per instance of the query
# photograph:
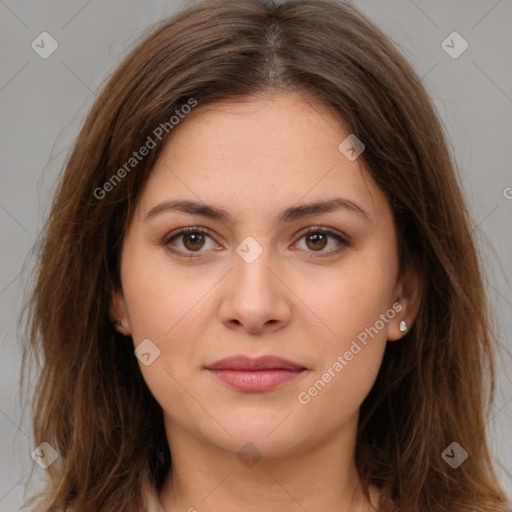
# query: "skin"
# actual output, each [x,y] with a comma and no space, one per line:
[255,158]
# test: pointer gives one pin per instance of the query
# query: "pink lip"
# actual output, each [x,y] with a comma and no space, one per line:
[260,374]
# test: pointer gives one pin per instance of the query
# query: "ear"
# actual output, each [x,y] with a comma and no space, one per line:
[119,314]
[407,293]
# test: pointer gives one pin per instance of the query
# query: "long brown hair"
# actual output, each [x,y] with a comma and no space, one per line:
[91,403]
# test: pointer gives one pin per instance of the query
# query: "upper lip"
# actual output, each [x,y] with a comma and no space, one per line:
[260,363]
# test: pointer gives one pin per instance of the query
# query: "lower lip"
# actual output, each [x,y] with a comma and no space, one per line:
[256,380]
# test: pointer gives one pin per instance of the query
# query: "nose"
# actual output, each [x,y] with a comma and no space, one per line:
[254,298]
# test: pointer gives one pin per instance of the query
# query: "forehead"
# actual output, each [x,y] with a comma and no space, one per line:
[253,154]
[278,125]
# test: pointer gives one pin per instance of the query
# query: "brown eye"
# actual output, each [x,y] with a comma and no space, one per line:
[188,241]
[318,241]
[193,241]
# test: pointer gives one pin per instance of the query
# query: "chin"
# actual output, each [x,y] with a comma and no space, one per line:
[272,437]
[250,442]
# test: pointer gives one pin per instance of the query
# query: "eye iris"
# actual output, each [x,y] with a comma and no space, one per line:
[318,237]
[194,244]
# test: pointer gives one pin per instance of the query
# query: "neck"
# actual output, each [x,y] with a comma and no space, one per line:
[315,478]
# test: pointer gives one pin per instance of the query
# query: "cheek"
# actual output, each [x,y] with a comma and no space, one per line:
[333,395]
[166,308]
[349,299]
[356,308]
[162,302]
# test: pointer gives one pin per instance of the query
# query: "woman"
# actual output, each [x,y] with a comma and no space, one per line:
[257,288]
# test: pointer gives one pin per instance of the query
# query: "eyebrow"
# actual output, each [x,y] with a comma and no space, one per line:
[288,215]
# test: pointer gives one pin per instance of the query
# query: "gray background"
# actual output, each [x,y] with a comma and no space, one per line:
[43,103]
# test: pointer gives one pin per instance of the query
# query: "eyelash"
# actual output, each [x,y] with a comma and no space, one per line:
[312,230]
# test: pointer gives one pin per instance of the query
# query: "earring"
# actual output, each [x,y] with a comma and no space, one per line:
[403,326]
[118,322]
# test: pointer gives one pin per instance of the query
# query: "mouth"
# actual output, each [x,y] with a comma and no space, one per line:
[260,374]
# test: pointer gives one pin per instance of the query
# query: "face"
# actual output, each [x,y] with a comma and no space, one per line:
[318,287]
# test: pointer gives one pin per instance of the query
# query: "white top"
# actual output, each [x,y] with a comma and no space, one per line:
[153,503]
[149,493]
